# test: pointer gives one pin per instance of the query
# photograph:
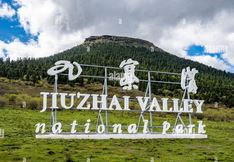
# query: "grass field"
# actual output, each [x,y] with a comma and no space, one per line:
[20,143]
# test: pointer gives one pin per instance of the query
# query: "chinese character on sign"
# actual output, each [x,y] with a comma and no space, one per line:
[1,133]
[62,65]
[188,80]
[129,74]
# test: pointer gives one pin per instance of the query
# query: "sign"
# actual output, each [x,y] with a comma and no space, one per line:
[104,103]
[100,102]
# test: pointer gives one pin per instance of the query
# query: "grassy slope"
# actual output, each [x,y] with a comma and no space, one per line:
[20,142]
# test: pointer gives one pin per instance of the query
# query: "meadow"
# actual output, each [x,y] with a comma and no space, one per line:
[20,143]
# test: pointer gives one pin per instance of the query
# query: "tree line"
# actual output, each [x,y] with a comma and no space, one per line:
[214,85]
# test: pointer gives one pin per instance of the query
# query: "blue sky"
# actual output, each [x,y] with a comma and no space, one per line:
[41,28]
[200,50]
[10,28]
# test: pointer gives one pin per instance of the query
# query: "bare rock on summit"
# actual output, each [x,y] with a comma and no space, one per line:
[122,41]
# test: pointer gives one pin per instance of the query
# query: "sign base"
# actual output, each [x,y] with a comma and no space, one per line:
[120,136]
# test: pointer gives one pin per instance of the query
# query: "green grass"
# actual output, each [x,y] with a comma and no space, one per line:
[20,141]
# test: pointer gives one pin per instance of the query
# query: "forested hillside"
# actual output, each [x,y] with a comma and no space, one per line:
[214,85]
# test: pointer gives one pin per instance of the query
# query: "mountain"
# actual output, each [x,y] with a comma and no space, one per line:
[124,41]
[214,85]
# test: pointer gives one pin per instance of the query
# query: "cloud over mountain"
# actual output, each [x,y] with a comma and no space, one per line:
[171,25]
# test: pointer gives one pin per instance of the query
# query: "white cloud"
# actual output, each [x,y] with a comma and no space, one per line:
[214,35]
[210,61]
[216,49]
[47,20]
[173,27]
[46,45]
[6,11]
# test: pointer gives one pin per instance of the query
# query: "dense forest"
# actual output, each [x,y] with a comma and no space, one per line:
[213,85]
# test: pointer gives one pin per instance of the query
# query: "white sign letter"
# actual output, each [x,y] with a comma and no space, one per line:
[166,126]
[45,94]
[56,128]
[132,128]
[73,128]
[40,126]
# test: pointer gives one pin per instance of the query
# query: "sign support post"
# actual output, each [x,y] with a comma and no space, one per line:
[148,93]
[104,92]
[53,118]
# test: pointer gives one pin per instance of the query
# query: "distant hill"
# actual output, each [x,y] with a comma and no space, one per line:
[214,85]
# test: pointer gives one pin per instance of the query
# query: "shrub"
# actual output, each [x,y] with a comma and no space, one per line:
[22,100]
[230,101]
[219,115]
[32,104]
[3,101]
[199,116]
[11,98]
